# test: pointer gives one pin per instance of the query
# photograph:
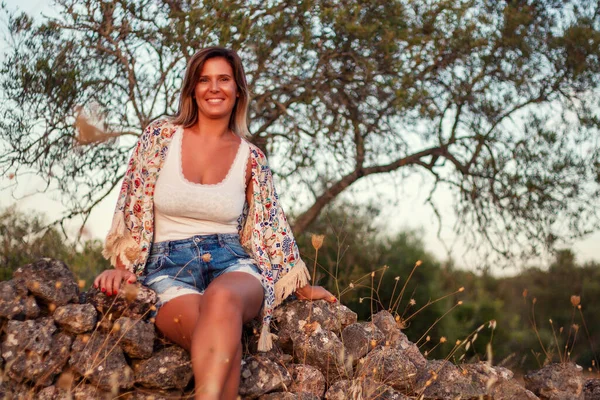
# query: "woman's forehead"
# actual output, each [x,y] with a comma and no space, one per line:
[216,66]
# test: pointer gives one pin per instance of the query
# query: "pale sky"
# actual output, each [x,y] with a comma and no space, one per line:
[406,209]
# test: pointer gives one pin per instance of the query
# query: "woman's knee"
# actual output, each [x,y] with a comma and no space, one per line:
[223,301]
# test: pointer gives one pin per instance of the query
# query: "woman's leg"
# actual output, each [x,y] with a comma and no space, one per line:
[177,319]
[230,300]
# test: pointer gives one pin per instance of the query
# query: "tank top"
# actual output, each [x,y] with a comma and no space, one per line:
[183,209]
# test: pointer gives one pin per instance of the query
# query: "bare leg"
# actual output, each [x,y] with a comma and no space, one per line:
[177,319]
[232,383]
[228,302]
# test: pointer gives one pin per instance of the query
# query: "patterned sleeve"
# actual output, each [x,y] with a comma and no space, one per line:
[289,271]
[121,238]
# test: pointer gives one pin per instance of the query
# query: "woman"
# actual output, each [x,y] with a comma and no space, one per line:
[198,221]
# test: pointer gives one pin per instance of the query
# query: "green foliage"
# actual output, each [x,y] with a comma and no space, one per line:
[25,238]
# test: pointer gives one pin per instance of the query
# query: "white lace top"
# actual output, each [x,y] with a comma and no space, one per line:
[183,209]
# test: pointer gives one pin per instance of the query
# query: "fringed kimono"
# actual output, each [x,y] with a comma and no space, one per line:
[263,227]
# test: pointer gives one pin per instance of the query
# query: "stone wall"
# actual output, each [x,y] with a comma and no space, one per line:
[58,343]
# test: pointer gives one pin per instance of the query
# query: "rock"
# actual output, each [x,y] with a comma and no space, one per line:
[484,376]
[362,388]
[145,394]
[98,358]
[307,379]
[76,318]
[340,390]
[260,375]
[288,396]
[292,316]
[360,338]
[14,301]
[510,390]
[388,366]
[591,389]
[79,392]
[395,338]
[136,337]
[556,382]
[49,280]
[133,301]
[442,380]
[322,349]
[169,368]
[34,352]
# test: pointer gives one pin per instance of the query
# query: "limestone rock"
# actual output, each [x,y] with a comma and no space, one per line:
[14,301]
[442,380]
[260,375]
[322,349]
[557,382]
[290,318]
[169,368]
[33,352]
[133,301]
[485,376]
[362,388]
[307,379]
[388,366]
[49,280]
[288,396]
[395,338]
[360,338]
[145,394]
[98,358]
[76,318]
[510,390]
[591,389]
[79,392]
[137,337]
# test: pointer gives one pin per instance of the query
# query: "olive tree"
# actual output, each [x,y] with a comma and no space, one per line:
[496,101]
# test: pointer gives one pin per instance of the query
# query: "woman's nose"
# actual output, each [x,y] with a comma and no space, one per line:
[214,86]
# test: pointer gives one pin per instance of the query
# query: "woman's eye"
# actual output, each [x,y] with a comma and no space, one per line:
[225,79]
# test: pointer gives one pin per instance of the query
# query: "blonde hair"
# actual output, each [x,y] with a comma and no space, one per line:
[187,113]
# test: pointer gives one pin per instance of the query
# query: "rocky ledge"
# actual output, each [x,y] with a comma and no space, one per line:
[58,343]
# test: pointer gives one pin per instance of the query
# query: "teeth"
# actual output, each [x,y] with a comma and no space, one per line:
[215,100]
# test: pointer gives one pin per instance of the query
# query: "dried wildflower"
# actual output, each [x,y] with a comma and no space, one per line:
[397,278]
[317,241]
[467,346]
[575,300]
[575,327]
[443,339]
[373,274]
[458,342]
[373,342]
[534,300]
[550,321]
[131,292]
[87,132]
[81,283]
[11,176]
[579,307]
[58,284]
[460,302]
[428,338]
[206,257]
[492,324]
[351,285]
[85,339]
[525,292]
[412,302]
[418,263]
[461,289]
[35,285]
[51,307]
[116,327]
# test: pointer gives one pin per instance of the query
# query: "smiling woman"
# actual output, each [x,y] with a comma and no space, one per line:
[199,222]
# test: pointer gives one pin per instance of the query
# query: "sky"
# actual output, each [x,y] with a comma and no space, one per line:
[405,209]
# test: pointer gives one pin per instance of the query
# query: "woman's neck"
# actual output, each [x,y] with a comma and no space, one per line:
[208,127]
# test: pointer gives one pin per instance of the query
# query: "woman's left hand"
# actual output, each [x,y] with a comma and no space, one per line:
[309,292]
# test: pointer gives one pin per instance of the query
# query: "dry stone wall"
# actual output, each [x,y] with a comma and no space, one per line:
[59,343]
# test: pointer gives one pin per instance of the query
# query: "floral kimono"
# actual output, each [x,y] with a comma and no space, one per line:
[263,227]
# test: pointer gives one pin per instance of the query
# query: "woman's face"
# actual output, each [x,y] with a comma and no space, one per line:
[216,90]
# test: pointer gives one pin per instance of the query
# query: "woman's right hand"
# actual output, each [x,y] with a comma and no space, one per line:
[109,281]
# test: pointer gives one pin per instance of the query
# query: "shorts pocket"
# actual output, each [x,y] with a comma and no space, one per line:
[236,250]
[155,263]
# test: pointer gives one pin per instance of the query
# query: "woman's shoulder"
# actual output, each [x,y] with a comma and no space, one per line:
[256,153]
[158,129]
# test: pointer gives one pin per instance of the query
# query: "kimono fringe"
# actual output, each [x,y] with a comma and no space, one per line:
[297,277]
[119,243]
[265,341]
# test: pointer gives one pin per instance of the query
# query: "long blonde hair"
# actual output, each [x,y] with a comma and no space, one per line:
[187,114]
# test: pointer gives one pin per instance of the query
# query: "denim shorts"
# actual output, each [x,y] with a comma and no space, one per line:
[188,266]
